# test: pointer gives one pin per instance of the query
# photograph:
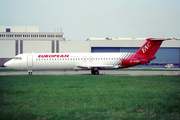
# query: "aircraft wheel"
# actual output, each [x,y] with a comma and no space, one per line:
[92,72]
[30,73]
[96,72]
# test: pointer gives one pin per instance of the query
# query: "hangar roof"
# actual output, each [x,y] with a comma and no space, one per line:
[112,38]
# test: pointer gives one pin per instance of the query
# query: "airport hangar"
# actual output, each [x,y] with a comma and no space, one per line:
[16,40]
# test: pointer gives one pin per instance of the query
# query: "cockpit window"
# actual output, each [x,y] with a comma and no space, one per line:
[17,58]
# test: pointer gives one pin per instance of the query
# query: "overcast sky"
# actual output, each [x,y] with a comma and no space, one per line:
[81,19]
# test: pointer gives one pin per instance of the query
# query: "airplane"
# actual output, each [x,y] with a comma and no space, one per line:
[86,61]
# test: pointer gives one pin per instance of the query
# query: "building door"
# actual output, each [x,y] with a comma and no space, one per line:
[29,60]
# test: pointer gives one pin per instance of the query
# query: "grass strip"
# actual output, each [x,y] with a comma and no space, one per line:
[89,97]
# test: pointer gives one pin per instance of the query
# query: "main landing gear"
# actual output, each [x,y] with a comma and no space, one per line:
[30,73]
[95,72]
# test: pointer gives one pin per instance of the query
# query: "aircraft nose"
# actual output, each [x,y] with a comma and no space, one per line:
[7,64]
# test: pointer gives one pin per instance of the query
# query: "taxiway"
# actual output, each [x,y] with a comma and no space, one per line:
[102,72]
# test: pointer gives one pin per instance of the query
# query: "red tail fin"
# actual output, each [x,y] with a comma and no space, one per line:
[145,54]
[151,46]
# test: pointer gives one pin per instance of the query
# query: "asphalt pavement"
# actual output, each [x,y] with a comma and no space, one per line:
[88,72]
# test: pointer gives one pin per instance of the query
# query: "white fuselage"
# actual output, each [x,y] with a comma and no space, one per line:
[86,61]
[67,61]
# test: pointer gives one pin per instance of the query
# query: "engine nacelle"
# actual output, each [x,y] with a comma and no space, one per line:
[134,61]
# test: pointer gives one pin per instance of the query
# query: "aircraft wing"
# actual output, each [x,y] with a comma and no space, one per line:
[95,66]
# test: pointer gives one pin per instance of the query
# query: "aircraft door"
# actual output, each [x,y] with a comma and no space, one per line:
[29,60]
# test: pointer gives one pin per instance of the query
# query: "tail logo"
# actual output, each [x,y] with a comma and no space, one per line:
[146,47]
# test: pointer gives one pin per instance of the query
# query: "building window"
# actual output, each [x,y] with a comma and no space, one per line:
[34,35]
[57,46]
[16,47]
[42,35]
[59,35]
[52,46]
[26,35]
[2,35]
[9,35]
[50,35]
[8,30]
[18,35]
[21,47]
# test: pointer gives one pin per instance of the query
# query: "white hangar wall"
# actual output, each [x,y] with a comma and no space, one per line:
[117,43]
[37,46]
[7,48]
[74,47]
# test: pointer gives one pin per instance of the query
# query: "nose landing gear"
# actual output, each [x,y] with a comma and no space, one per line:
[30,72]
